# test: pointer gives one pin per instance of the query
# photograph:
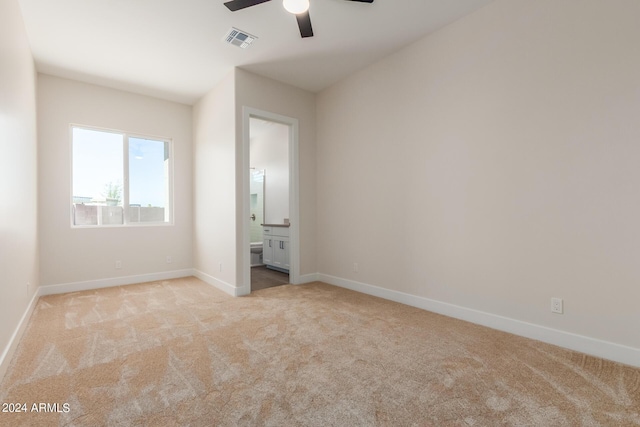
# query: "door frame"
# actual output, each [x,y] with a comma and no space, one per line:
[294,195]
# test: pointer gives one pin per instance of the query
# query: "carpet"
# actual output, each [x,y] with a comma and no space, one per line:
[182,353]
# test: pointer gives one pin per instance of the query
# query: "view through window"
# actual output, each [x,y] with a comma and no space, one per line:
[119,179]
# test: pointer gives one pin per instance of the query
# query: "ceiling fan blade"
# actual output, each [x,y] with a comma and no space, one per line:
[304,23]
[242,4]
[363,1]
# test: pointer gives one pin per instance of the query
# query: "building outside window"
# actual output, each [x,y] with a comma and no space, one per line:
[119,179]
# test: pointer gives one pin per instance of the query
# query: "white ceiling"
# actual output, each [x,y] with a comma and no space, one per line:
[173,49]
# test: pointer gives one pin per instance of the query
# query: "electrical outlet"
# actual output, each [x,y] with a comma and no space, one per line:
[355,267]
[169,260]
[557,305]
[118,264]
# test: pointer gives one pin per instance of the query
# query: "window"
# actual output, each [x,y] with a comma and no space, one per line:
[119,179]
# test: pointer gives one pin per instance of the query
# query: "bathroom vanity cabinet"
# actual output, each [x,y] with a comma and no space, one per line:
[275,248]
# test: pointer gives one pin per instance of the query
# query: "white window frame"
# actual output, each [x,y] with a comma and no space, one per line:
[125,178]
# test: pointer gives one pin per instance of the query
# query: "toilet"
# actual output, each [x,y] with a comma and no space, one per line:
[256,253]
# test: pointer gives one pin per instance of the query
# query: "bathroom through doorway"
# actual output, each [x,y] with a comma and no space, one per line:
[270,200]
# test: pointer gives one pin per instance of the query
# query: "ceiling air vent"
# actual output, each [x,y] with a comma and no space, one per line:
[239,38]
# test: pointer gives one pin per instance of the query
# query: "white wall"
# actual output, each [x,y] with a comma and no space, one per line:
[18,175]
[84,254]
[270,152]
[214,177]
[218,173]
[494,165]
[269,95]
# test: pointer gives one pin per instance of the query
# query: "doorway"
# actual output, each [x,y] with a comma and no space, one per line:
[270,151]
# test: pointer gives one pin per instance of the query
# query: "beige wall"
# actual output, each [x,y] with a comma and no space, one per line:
[218,173]
[83,254]
[18,173]
[494,165]
[269,95]
[214,185]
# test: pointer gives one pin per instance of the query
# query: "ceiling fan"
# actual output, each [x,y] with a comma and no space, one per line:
[300,8]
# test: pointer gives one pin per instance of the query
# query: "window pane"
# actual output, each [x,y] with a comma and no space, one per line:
[148,180]
[97,177]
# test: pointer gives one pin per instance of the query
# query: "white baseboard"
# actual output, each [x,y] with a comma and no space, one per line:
[7,353]
[220,284]
[116,281]
[242,291]
[307,278]
[592,346]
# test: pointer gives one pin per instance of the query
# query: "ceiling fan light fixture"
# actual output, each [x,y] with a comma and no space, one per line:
[296,6]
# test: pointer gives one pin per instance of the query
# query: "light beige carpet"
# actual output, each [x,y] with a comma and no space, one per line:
[179,353]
